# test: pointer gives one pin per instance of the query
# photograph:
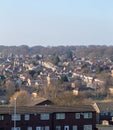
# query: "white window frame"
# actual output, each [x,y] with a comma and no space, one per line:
[38,128]
[42,128]
[74,127]
[77,115]
[26,117]
[46,127]
[29,128]
[17,128]
[60,116]
[1,117]
[88,115]
[44,116]
[87,127]
[16,117]
[58,127]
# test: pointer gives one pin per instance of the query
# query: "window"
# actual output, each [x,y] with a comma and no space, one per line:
[60,116]
[74,127]
[27,117]
[77,115]
[1,117]
[87,115]
[16,117]
[111,113]
[104,113]
[17,128]
[46,127]
[29,128]
[42,128]
[107,113]
[38,128]
[58,127]
[87,127]
[44,116]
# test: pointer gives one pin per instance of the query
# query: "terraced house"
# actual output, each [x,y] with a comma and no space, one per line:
[48,117]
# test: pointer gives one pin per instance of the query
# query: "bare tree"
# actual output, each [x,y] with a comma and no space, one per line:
[22,98]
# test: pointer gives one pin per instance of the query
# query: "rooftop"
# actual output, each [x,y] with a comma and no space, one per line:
[45,108]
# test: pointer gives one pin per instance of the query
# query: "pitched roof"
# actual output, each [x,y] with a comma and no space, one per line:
[105,106]
[45,108]
[38,101]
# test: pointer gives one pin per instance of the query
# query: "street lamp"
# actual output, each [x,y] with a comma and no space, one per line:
[14,113]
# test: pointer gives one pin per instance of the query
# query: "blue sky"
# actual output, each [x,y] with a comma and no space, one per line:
[56,22]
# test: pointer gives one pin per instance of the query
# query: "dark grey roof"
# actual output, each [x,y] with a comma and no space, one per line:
[45,108]
[105,106]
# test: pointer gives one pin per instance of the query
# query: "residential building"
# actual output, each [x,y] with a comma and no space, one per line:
[104,112]
[48,117]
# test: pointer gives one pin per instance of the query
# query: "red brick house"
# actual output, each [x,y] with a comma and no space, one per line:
[48,118]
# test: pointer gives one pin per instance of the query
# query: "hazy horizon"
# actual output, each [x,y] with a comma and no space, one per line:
[56,23]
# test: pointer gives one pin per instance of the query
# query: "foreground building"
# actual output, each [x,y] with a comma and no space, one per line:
[104,112]
[48,118]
